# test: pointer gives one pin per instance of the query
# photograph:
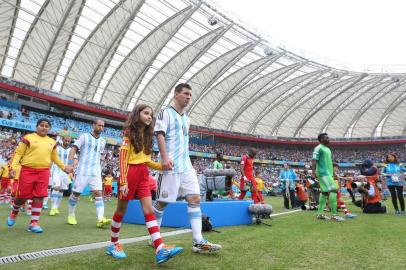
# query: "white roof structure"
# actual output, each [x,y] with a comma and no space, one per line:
[123,52]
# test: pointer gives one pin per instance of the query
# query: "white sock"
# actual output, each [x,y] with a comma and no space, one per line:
[60,196]
[158,215]
[54,199]
[45,201]
[195,218]
[98,202]
[73,201]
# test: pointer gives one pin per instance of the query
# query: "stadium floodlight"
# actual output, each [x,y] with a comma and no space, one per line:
[212,20]
[268,51]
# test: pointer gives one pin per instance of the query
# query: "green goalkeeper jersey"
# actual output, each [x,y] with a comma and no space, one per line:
[322,154]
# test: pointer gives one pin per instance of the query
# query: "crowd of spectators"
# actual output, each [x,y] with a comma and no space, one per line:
[377,153]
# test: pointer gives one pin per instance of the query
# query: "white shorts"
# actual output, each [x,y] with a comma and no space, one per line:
[81,181]
[173,186]
[60,180]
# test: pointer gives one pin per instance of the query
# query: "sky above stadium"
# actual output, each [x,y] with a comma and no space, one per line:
[361,35]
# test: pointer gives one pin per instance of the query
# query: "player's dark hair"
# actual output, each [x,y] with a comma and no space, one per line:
[43,120]
[179,87]
[133,127]
[321,135]
[252,152]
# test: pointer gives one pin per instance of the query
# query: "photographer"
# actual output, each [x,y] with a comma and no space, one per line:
[369,189]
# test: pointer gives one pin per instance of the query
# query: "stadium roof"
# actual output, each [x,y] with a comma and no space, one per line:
[123,52]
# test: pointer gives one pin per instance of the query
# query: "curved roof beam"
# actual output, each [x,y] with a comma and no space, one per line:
[182,60]
[6,31]
[286,72]
[28,35]
[58,55]
[248,84]
[141,57]
[316,86]
[285,88]
[57,36]
[324,102]
[389,110]
[104,60]
[243,75]
[205,77]
[96,31]
[341,107]
[368,104]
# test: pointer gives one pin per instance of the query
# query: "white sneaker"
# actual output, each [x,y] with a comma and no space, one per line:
[337,218]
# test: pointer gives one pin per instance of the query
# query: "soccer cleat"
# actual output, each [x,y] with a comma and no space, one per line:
[52,212]
[337,218]
[45,206]
[322,217]
[166,253]
[103,222]
[349,215]
[398,213]
[72,220]
[57,211]
[116,251]
[205,246]
[35,228]
[11,220]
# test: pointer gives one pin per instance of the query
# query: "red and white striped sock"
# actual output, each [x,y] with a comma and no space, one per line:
[115,228]
[153,229]
[2,197]
[29,207]
[36,211]
[16,209]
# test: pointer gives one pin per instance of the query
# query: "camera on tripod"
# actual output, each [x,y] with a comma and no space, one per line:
[260,211]
[360,184]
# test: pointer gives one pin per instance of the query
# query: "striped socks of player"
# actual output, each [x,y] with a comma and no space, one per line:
[195,218]
[36,211]
[73,201]
[115,228]
[60,196]
[16,209]
[54,199]
[153,229]
[98,202]
[158,214]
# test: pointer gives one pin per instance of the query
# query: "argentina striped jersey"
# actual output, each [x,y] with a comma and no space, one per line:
[63,156]
[176,129]
[90,149]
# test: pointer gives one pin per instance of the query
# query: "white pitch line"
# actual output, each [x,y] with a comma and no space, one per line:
[78,248]
[286,213]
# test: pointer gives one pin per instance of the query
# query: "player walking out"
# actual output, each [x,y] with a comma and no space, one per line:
[60,180]
[180,179]
[322,168]
[88,172]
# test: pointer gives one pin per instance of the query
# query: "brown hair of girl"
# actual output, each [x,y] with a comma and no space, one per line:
[133,127]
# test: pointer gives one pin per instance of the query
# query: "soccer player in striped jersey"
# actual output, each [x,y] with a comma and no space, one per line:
[88,172]
[179,179]
[60,180]
[135,158]
[36,152]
